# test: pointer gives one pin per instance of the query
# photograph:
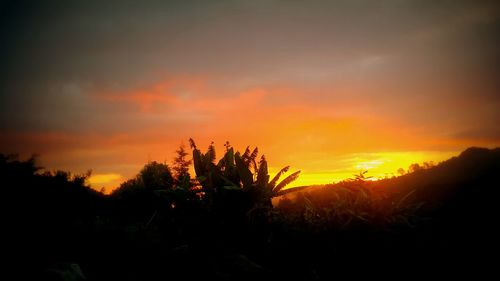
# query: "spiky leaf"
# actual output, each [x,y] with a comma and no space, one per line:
[229,157]
[221,164]
[197,162]
[243,171]
[192,144]
[246,154]
[262,176]
[254,154]
[286,181]
[272,183]
[290,190]
[211,153]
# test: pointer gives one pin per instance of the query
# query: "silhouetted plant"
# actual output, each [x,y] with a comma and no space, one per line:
[351,202]
[11,165]
[138,197]
[54,218]
[180,167]
[240,173]
[156,175]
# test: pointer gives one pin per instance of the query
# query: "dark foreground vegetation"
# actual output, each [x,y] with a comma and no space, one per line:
[222,225]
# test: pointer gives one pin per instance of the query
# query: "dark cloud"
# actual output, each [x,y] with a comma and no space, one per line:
[57,53]
[491,134]
[81,81]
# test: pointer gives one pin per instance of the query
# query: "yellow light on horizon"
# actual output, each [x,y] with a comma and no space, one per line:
[107,181]
[378,166]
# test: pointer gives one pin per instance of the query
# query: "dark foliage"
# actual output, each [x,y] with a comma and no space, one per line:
[181,166]
[439,219]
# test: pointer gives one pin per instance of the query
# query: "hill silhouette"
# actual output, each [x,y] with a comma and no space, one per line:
[442,218]
[452,209]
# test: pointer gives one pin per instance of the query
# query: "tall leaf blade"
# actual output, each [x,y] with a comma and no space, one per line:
[197,162]
[246,154]
[229,157]
[245,174]
[262,176]
[192,144]
[290,190]
[211,153]
[254,154]
[221,164]
[272,183]
[286,181]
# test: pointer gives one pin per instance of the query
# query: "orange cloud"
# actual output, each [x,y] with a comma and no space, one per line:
[170,92]
[323,139]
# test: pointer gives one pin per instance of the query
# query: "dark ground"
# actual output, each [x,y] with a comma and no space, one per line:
[56,228]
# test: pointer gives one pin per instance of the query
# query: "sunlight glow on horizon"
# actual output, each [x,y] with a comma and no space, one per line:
[109,181]
[378,166]
[330,88]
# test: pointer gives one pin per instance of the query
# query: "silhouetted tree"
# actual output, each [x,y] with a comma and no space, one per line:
[156,175]
[428,165]
[414,168]
[401,171]
[153,176]
[181,166]
[136,199]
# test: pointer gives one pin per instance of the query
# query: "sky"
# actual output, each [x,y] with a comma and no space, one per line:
[328,87]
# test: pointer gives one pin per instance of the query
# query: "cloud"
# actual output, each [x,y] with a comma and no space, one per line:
[491,134]
[108,85]
[171,92]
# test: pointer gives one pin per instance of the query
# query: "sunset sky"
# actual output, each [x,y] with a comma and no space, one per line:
[328,87]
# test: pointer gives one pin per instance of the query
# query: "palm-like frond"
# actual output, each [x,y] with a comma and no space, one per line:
[255,167]
[290,190]
[211,152]
[197,162]
[249,157]
[254,154]
[192,144]
[221,165]
[245,174]
[234,172]
[246,154]
[229,156]
[286,181]
[272,183]
[262,175]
